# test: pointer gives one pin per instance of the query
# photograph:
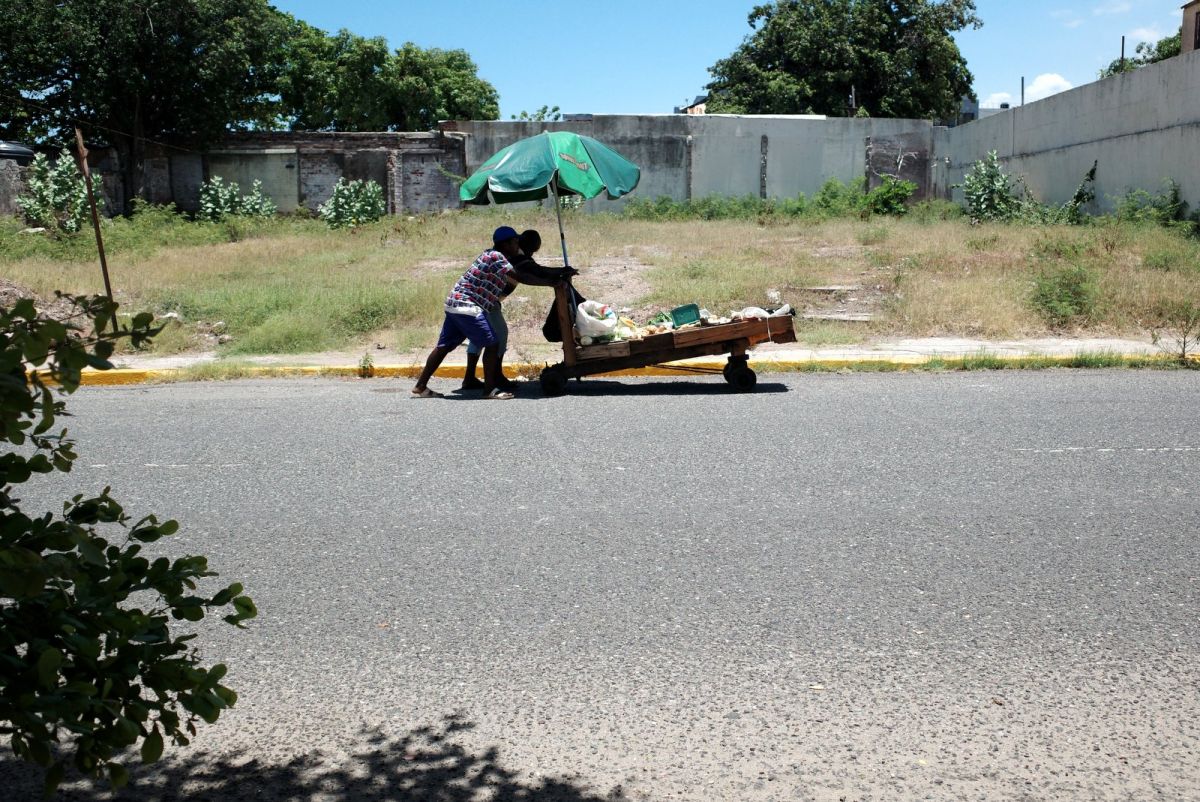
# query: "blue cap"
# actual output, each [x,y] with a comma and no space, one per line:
[503,234]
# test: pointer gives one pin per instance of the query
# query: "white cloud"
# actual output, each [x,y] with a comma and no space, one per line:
[1112,7]
[1148,34]
[1067,17]
[1045,85]
[994,100]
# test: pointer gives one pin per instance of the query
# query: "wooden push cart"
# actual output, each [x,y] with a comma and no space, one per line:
[735,339]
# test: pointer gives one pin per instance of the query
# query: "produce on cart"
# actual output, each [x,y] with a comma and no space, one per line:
[605,342]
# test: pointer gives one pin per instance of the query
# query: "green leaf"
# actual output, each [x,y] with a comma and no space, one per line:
[48,664]
[118,775]
[152,746]
[53,779]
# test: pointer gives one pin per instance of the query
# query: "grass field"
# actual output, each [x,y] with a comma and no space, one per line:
[291,285]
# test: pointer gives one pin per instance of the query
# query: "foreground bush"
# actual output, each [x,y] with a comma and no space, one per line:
[89,665]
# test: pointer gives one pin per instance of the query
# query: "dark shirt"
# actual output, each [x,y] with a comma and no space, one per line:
[525,266]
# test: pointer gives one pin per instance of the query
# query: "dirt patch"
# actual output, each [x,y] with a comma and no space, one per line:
[837,251]
[58,309]
[617,280]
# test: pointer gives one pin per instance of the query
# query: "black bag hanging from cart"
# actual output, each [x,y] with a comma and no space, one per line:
[551,329]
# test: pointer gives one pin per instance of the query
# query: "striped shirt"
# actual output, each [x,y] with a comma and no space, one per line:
[481,287]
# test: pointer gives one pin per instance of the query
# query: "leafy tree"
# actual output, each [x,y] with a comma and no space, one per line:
[543,114]
[179,71]
[805,56]
[345,82]
[86,650]
[1147,53]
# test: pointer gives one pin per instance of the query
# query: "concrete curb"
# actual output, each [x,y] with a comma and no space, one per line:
[872,363]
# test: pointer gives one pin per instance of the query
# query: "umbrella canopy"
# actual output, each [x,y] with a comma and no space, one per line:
[551,163]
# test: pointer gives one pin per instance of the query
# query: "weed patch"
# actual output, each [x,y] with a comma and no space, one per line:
[1065,295]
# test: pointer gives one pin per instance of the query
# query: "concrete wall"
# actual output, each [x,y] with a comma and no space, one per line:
[12,183]
[1142,127]
[691,156]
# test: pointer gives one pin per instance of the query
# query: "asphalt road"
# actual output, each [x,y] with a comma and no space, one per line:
[861,587]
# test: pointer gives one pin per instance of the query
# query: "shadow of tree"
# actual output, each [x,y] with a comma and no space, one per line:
[426,765]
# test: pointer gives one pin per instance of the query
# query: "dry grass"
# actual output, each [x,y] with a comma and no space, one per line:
[296,286]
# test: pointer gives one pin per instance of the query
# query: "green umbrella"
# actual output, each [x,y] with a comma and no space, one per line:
[549,165]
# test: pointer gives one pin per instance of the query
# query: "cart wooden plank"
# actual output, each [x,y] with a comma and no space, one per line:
[604,350]
[756,330]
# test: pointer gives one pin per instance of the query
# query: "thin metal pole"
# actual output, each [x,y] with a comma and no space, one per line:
[562,237]
[87,180]
[1122,54]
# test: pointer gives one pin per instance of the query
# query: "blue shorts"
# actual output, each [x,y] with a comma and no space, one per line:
[499,326]
[475,328]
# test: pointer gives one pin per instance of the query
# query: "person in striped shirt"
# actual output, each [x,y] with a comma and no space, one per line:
[476,294]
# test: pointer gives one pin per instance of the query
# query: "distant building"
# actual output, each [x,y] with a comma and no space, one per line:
[969,110]
[1191,27]
[699,105]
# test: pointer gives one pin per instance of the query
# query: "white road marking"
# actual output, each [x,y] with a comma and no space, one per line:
[1099,450]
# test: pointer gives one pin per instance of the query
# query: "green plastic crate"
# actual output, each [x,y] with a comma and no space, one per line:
[683,315]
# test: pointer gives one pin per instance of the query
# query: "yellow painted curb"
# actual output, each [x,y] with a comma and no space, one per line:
[131,376]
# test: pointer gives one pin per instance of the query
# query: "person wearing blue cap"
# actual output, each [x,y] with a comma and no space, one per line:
[524,265]
[474,295]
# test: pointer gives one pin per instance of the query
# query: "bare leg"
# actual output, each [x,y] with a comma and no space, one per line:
[491,368]
[432,364]
[472,361]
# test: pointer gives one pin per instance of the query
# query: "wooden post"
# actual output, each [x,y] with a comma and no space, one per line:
[87,180]
[564,323]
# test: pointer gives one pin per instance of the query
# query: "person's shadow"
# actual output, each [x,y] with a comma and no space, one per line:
[426,765]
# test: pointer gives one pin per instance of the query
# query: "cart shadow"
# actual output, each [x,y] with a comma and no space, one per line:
[425,765]
[680,387]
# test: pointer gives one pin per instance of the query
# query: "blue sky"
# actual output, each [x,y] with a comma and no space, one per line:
[647,57]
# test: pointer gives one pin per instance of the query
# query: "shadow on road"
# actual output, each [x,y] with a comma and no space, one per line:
[529,391]
[696,387]
[423,766]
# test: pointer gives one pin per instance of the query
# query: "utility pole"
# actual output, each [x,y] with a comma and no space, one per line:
[87,182]
[1122,54]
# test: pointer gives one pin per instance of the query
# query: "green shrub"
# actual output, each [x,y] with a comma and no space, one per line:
[219,200]
[835,199]
[891,197]
[874,235]
[1065,295]
[989,192]
[352,204]
[90,665]
[1164,259]
[1164,208]
[1056,246]
[935,210]
[992,195]
[56,195]
[984,242]
[1177,329]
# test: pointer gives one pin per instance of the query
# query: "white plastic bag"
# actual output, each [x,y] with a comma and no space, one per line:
[595,320]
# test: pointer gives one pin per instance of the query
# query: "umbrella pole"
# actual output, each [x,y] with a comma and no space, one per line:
[558,211]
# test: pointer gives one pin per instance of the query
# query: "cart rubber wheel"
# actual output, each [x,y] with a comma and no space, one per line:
[741,378]
[553,381]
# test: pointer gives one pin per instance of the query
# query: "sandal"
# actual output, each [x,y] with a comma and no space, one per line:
[472,383]
[498,395]
[425,393]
